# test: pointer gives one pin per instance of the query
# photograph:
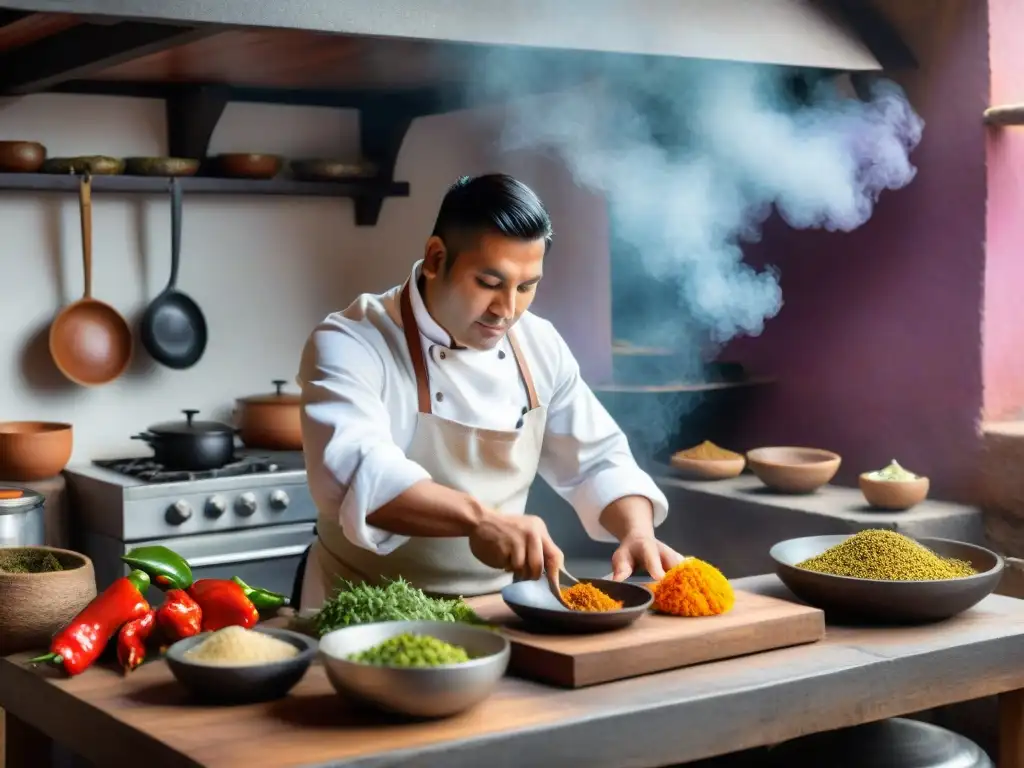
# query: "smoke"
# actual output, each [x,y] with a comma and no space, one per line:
[693,157]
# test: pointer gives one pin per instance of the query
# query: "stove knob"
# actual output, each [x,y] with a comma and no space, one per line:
[278,500]
[178,512]
[216,506]
[246,504]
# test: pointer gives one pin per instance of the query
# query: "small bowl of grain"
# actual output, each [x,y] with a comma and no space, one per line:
[239,666]
[707,461]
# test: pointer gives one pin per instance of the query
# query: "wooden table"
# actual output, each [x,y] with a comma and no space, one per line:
[853,676]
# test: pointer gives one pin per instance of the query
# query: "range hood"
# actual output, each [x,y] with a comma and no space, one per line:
[844,35]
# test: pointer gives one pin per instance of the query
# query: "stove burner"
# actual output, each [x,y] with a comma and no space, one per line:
[150,471]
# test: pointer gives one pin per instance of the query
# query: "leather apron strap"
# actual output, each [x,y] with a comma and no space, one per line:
[419,366]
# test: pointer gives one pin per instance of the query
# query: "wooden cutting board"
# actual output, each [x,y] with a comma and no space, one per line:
[653,643]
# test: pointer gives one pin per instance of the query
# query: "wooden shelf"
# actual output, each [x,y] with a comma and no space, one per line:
[1010,114]
[354,188]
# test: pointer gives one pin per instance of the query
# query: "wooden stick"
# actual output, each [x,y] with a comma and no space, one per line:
[1011,729]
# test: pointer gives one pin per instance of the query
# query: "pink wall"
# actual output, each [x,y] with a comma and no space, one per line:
[877,349]
[1003,325]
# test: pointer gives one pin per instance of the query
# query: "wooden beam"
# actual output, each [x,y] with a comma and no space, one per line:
[1010,114]
[86,49]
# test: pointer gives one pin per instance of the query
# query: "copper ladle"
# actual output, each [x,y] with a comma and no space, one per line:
[90,342]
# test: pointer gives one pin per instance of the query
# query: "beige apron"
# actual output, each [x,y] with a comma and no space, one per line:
[496,467]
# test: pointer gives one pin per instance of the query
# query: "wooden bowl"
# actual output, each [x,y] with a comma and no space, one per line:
[793,469]
[708,469]
[896,495]
[21,156]
[34,606]
[249,166]
[34,450]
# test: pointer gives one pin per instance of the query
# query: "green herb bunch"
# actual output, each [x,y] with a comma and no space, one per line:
[397,601]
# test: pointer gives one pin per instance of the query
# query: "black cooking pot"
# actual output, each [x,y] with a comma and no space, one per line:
[191,445]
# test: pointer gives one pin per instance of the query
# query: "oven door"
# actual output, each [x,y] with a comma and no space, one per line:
[265,557]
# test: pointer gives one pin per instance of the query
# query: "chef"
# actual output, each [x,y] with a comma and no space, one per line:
[429,410]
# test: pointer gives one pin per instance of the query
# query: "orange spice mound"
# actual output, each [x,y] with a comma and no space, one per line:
[708,451]
[587,597]
[693,588]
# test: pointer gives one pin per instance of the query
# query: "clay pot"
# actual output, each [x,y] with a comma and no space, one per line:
[21,156]
[271,421]
[34,606]
[34,450]
[790,469]
[707,469]
[895,495]
[249,166]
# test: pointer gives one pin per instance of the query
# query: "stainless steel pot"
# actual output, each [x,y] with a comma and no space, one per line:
[22,521]
[191,445]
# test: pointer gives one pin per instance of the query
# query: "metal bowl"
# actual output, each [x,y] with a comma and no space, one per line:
[881,601]
[417,691]
[894,743]
[241,684]
[533,602]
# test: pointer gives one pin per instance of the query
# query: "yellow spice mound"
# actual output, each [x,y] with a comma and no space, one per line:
[887,556]
[693,588]
[235,646]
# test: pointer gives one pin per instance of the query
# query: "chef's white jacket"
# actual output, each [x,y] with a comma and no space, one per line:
[360,408]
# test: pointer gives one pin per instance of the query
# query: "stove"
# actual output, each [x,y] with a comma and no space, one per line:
[144,468]
[252,518]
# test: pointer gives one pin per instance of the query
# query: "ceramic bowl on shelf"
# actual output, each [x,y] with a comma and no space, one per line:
[884,601]
[416,691]
[34,450]
[243,165]
[241,683]
[21,156]
[707,469]
[895,495]
[793,469]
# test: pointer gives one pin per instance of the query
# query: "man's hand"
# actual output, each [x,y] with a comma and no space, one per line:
[643,551]
[517,543]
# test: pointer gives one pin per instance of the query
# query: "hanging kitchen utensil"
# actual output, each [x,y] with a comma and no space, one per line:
[173,329]
[192,446]
[90,342]
[272,422]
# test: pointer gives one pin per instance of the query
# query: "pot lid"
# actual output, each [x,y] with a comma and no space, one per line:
[13,497]
[278,397]
[190,426]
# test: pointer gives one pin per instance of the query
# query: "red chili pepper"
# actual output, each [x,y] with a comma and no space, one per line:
[131,640]
[224,604]
[179,617]
[82,641]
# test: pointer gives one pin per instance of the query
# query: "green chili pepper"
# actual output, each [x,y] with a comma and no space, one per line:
[166,568]
[263,599]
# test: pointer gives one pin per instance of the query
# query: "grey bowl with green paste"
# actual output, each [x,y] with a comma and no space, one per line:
[438,690]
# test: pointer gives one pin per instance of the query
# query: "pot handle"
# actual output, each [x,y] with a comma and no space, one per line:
[147,436]
[279,385]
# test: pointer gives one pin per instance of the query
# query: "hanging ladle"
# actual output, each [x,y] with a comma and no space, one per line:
[90,342]
[173,329]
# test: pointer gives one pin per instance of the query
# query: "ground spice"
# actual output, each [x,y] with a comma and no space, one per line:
[587,597]
[708,451]
[887,556]
[28,561]
[693,588]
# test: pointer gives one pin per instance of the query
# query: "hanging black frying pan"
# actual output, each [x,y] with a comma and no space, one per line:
[173,330]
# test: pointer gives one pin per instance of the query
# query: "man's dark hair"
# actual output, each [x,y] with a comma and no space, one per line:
[495,203]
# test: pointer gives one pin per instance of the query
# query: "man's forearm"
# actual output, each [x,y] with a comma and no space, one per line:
[429,509]
[629,516]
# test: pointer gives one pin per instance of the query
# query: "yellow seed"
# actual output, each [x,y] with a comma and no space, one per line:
[888,556]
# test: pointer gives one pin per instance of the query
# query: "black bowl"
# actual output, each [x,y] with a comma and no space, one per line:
[879,601]
[533,602]
[242,684]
